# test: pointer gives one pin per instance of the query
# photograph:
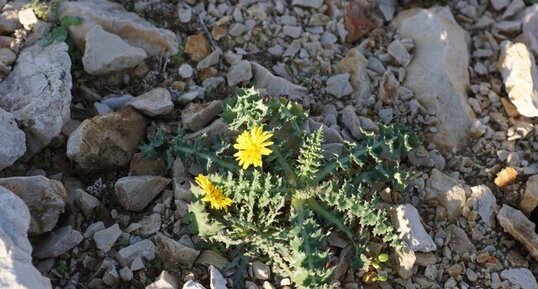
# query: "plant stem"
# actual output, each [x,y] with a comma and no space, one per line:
[327,169]
[212,157]
[292,177]
[314,205]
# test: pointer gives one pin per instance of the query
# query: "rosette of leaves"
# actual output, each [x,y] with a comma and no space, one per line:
[285,209]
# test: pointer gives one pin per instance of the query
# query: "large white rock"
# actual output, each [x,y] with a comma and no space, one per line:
[12,140]
[408,224]
[106,52]
[520,76]
[38,93]
[16,268]
[44,197]
[520,227]
[115,19]
[438,72]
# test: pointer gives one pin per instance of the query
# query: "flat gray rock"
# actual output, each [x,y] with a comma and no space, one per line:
[106,52]
[154,102]
[58,242]
[134,193]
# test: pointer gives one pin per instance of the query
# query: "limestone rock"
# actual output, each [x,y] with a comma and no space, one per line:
[438,73]
[308,3]
[520,227]
[196,116]
[106,52]
[261,271]
[27,17]
[45,198]
[407,222]
[174,253]
[15,249]
[520,76]
[164,281]
[107,141]
[216,280]
[356,65]
[193,285]
[197,47]
[58,242]
[274,85]
[105,239]
[406,260]
[38,93]
[529,202]
[143,249]
[459,242]
[449,192]
[136,192]
[520,276]
[12,140]
[338,85]
[239,72]
[115,19]
[154,102]
[484,202]
[87,203]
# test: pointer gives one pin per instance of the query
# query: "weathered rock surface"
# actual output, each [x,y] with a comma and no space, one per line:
[115,19]
[193,285]
[239,72]
[520,227]
[520,276]
[154,102]
[438,73]
[45,198]
[518,69]
[407,222]
[105,239]
[106,52]
[174,253]
[449,192]
[274,85]
[459,241]
[196,116]
[484,203]
[339,86]
[12,140]
[107,141]
[38,93]
[356,65]
[216,280]
[406,260]
[58,242]
[197,47]
[529,27]
[164,281]
[143,249]
[529,202]
[16,268]
[136,192]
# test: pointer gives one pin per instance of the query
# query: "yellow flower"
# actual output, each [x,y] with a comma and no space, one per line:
[251,146]
[213,195]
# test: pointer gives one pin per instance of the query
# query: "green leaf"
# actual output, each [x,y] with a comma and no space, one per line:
[67,21]
[200,220]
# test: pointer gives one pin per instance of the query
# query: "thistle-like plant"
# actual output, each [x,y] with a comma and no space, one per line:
[279,196]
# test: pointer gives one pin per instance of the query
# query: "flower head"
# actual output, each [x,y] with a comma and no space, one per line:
[252,146]
[213,195]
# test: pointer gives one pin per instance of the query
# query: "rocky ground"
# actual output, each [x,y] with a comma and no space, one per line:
[80,203]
